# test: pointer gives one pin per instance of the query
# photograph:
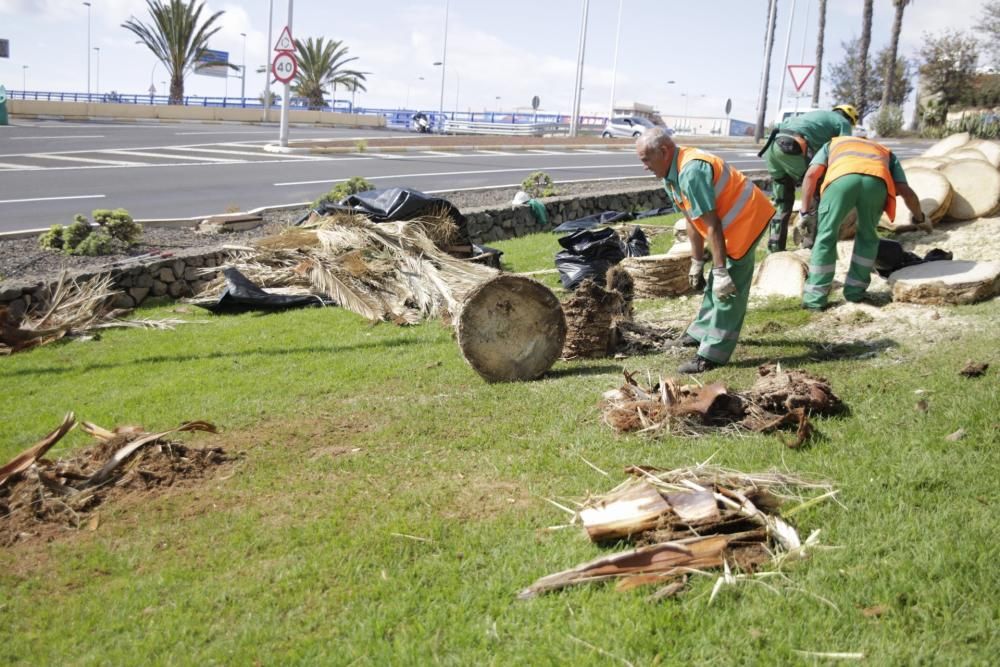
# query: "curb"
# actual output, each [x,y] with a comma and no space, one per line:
[305,150]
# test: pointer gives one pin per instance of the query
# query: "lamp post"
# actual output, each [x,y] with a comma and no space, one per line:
[97,49]
[444,58]
[24,78]
[286,93]
[243,71]
[578,87]
[267,62]
[88,50]
[614,67]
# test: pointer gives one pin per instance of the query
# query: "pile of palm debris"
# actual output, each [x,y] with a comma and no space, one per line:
[686,522]
[600,321]
[777,398]
[70,309]
[386,271]
[43,497]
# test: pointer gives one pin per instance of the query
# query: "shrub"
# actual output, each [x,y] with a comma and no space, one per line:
[889,121]
[52,239]
[538,184]
[341,191]
[118,224]
[361,145]
[75,233]
[99,243]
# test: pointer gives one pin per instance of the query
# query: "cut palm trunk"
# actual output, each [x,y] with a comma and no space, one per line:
[781,274]
[658,276]
[590,321]
[977,189]
[935,193]
[948,144]
[943,283]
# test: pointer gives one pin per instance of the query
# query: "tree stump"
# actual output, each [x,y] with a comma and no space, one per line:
[659,275]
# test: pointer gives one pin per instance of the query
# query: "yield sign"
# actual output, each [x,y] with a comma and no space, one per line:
[285,42]
[800,74]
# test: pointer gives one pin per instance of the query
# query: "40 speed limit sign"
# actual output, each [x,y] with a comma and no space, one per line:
[284,67]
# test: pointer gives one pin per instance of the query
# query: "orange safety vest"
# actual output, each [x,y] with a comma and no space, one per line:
[742,207]
[852,155]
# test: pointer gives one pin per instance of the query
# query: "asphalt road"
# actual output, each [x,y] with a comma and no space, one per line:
[51,170]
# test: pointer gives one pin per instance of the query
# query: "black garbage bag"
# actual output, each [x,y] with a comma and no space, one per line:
[605,218]
[637,245]
[404,204]
[892,257]
[653,212]
[588,254]
[483,254]
[241,295]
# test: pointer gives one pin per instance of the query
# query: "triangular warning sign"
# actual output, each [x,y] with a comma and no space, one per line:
[800,74]
[285,41]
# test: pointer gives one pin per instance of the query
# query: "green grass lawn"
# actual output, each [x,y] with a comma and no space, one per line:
[356,439]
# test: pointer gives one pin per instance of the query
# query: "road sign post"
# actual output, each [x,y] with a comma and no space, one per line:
[286,50]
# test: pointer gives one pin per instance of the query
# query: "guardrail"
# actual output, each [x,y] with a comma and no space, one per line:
[511,129]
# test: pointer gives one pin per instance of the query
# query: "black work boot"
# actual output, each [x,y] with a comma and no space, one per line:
[696,365]
[686,340]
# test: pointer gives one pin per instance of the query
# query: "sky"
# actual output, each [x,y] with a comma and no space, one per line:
[684,58]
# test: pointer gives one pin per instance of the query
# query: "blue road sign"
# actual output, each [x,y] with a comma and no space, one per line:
[219,69]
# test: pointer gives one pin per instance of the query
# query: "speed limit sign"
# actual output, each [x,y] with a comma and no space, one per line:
[284,67]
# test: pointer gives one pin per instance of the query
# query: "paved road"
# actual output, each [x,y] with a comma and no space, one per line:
[51,170]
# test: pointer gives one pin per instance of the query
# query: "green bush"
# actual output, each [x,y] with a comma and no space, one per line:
[538,184]
[118,224]
[114,233]
[52,239]
[341,191]
[99,243]
[889,121]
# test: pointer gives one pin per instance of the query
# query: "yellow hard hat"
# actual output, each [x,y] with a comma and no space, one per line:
[849,111]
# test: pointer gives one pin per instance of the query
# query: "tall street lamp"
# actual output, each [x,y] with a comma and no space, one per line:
[574,120]
[243,70]
[614,67]
[98,50]
[444,58]
[88,50]
[24,78]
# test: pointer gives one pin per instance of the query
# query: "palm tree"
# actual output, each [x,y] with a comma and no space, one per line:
[819,52]
[177,38]
[862,72]
[322,63]
[772,20]
[890,68]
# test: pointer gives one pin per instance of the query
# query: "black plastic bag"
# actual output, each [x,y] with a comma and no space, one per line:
[637,245]
[891,257]
[588,254]
[653,212]
[483,254]
[241,295]
[605,218]
[404,204]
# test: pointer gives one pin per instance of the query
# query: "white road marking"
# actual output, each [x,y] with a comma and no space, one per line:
[485,152]
[592,151]
[65,136]
[475,171]
[182,134]
[8,165]
[21,201]
[441,153]
[169,156]
[227,152]
[540,152]
[70,158]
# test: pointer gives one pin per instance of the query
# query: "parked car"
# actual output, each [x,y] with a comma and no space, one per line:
[625,126]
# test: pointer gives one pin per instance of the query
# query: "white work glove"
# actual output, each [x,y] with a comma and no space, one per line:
[807,224]
[723,286]
[922,223]
[696,276]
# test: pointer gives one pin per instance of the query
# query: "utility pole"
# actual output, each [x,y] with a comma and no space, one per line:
[614,68]
[784,67]
[444,63]
[267,62]
[765,75]
[574,121]
[88,50]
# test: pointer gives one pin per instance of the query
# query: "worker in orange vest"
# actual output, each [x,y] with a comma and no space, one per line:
[856,174]
[726,208]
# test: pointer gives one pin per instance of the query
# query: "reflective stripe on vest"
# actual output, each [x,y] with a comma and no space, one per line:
[853,155]
[742,208]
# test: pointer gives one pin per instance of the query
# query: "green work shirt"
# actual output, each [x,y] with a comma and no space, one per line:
[695,181]
[898,175]
[818,127]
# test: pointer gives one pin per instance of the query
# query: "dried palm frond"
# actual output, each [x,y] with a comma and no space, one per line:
[71,308]
[292,238]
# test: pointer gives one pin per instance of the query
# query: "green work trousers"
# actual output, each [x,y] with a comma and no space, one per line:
[786,172]
[858,191]
[717,327]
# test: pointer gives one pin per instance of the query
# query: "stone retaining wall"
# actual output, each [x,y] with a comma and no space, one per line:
[187,272]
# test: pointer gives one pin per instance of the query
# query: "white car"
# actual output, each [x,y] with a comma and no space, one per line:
[626,126]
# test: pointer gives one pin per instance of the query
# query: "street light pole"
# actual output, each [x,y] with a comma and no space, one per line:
[98,50]
[243,72]
[614,67]
[24,78]
[577,89]
[444,59]
[267,62]
[88,50]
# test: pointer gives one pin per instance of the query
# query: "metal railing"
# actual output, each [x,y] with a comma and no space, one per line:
[511,129]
